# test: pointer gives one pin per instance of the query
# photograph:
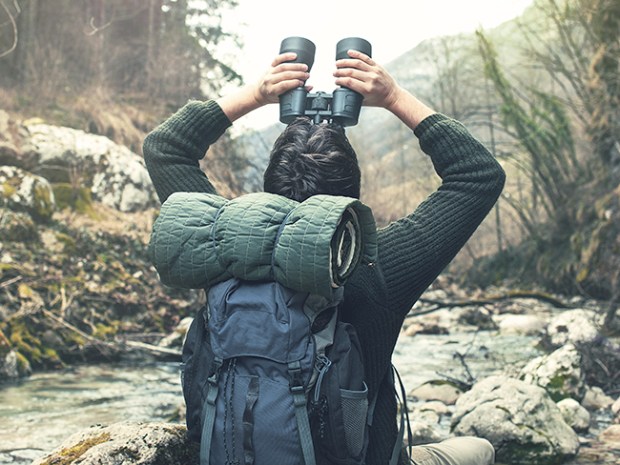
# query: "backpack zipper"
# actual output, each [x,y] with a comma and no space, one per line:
[323,364]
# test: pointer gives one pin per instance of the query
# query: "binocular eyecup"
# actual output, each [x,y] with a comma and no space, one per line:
[342,106]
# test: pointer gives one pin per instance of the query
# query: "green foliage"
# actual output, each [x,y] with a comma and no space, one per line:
[570,238]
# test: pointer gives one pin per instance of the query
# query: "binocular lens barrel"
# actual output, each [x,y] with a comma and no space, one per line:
[303,47]
[345,103]
[352,43]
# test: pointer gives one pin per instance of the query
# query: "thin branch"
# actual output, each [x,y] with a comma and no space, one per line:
[8,282]
[13,25]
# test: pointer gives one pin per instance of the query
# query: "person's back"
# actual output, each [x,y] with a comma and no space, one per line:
[412,251]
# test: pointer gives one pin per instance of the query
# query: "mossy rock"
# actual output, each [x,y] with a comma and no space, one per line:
[78,199]
[17,227]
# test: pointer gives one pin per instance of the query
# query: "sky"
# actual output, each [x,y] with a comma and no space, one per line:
[393,27]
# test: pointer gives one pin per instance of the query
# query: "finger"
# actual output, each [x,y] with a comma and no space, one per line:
[283,57]
[361,56]
[353,63]
[285,86]
[291,67]
[353,73]
[289,76]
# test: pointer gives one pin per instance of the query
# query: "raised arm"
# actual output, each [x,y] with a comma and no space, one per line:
[416,248]
[172,151]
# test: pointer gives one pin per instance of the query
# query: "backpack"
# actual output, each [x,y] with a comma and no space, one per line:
[270,373]
[272,376]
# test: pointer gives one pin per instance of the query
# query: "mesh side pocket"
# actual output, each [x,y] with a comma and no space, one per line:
[354,412]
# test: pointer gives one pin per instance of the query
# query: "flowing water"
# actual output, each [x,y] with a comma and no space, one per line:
[37,414]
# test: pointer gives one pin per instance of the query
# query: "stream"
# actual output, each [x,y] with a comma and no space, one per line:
[40,412]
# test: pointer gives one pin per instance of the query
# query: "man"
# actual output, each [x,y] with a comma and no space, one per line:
[310,159]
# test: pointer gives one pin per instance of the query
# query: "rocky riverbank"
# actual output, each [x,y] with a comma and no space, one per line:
[76,284]
[533,395]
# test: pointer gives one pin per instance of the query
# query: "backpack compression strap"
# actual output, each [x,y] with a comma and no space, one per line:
[209,414]
[301,413]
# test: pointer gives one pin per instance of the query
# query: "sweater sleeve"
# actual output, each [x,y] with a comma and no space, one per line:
[173,150]
[415,249]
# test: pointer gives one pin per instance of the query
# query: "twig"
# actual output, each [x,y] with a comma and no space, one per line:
[8,282]
[152,348]
[68,325]
[13,25]
[438,304]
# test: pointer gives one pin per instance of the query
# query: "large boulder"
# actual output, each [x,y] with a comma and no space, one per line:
[521,421]
[125,444]
[116,176]
[572,326]
[559,373]
[23,191]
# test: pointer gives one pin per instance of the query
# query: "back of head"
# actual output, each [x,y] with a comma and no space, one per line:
[309,159]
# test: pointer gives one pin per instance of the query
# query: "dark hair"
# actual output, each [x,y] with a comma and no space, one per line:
[309,159]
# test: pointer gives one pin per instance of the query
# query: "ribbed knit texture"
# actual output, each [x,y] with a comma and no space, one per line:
[412,251]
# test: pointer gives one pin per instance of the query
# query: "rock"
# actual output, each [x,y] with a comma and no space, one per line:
[116,176]
[12,365]
[595,399]
[559,373]
[423,433]
[442,391]
[611,435]
[615,408]
[176,338]
[429,417]
[476,316]
[530,325]
[22,191]
[9,154]
[521,421]
[435,406]
[574,414]
[124,444]
[576,326]
[17,227]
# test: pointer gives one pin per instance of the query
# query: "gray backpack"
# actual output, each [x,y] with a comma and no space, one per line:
[271,376]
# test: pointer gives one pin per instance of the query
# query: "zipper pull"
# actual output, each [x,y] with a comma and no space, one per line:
[323,364]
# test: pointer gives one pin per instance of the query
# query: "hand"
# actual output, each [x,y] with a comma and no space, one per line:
[361,74]
[280,78]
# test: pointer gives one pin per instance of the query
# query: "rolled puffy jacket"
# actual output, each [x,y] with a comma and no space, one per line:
[201,239]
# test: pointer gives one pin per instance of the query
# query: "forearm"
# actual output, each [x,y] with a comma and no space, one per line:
[172,151]
[240,103]
[408,108]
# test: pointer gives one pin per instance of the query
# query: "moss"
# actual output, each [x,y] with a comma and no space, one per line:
[23,365]
[44,202]
[557,387]
[5,345]
[102,330]
[70,455]
[78,199]
[8,189]
[31,347]
[68,242]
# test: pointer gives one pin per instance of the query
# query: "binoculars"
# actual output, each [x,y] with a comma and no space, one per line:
[342,106]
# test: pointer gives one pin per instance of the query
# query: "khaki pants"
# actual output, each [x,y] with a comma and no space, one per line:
[461,450]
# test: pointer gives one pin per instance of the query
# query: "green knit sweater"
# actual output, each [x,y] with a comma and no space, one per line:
[412,251]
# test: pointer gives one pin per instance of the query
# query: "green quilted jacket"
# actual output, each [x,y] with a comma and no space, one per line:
[201,239]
